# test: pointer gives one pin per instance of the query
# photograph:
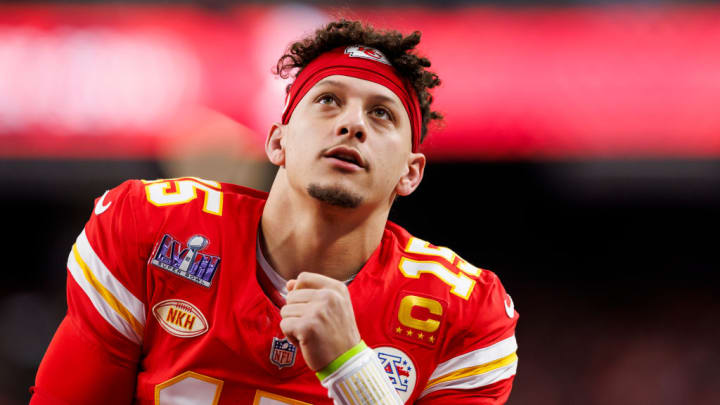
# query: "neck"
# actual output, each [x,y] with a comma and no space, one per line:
[300,234]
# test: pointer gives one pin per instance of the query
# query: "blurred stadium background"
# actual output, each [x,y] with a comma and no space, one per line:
[580,160]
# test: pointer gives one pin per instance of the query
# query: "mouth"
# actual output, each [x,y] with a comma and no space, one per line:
[347,155]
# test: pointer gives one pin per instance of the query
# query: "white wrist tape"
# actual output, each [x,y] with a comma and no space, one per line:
[361,380]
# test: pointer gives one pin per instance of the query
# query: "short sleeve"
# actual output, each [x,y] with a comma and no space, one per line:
[480,360]
[106,275]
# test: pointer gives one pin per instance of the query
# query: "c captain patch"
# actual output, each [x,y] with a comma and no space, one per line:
[419,319]
[282,353]
[186,262]
[399,368]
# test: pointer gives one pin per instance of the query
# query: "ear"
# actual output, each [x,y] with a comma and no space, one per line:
[274,145]
[412,178]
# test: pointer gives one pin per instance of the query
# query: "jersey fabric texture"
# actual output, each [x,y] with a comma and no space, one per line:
[165,306]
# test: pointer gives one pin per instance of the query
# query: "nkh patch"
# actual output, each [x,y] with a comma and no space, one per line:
[282,353]
[366,52]
[186,262]
[399,368]
[180,318]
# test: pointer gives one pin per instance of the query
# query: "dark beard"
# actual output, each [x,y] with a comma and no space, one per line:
[334,195]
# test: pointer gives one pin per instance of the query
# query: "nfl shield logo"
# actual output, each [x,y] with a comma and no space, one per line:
[282,353]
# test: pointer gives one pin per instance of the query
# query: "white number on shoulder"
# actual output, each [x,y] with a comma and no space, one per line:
[185,191]
[460,284]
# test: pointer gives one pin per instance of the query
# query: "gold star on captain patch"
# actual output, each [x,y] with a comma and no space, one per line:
[431,339]
[398,330]
[420,335]
[409,332]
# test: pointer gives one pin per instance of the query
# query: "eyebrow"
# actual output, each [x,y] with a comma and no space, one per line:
[379,97]
[333,83]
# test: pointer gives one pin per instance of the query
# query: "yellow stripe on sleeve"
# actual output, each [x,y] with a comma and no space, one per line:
[474,370]
[107,295]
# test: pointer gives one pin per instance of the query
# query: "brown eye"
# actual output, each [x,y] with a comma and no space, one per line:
[382,113]
[326,99]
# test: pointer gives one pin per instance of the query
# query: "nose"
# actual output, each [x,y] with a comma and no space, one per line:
[352,122]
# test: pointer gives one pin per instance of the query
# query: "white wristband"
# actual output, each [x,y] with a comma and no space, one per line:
[361,380]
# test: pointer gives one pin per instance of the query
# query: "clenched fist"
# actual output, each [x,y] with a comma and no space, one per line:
[319,318]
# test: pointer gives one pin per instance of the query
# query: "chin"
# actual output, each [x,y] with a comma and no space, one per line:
[335,195]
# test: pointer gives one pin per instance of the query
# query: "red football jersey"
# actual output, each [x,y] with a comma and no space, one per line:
[163,282]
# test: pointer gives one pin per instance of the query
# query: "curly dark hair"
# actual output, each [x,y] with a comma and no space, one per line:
[396,47]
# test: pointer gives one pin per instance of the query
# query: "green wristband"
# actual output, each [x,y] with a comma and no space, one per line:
[342,359]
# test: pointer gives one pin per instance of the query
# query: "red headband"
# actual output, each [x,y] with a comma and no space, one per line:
[361,62]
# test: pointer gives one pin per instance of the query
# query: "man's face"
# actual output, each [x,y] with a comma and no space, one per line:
[348,142]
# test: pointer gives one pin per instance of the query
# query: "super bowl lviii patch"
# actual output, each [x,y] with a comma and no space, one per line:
[186,262]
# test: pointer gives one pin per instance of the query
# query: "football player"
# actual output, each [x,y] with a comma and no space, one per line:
[189,291]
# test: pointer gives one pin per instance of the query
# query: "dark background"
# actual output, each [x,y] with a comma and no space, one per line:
[612,266]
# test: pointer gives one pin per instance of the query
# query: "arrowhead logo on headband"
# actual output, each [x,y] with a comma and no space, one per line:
[367,53]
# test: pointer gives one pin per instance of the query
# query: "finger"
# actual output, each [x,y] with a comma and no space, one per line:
[294,341]
[293,310]
[300,296]
[317,281]
[290,285]
[287,326]
[296,329]
[288,329]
